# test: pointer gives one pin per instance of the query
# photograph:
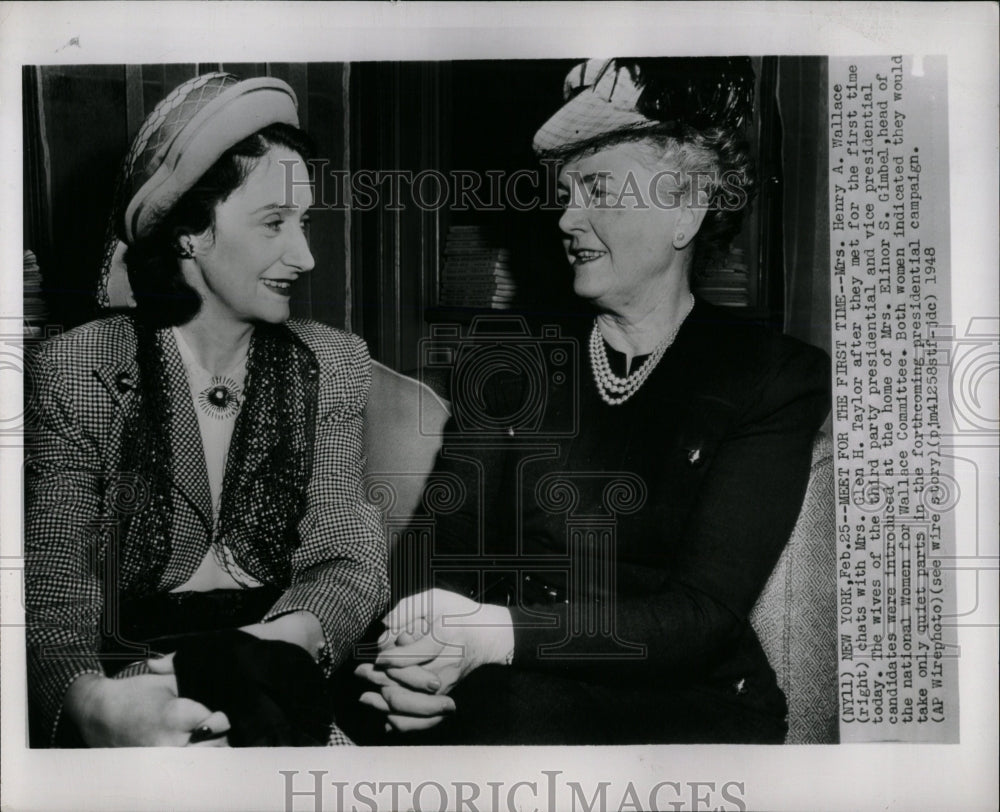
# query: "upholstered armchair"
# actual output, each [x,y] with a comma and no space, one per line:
[795,616]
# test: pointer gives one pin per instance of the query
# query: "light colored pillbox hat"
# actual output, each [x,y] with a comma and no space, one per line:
[180,140]
[188,131]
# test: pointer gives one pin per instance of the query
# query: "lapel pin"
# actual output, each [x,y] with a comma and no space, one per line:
[124,382]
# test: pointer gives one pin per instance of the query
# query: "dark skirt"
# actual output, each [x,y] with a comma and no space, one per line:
[153,625]
[504,705]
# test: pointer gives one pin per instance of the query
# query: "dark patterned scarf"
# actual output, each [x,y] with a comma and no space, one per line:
[267,470]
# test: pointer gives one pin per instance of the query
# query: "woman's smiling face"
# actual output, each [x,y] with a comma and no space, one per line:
[247,262]
[619,223]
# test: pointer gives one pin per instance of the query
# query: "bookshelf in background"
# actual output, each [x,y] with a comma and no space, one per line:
[35,312]
[727,285]
[476,271]
[750,279]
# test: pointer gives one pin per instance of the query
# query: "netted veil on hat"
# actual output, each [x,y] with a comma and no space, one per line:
[180,140]
[623,95]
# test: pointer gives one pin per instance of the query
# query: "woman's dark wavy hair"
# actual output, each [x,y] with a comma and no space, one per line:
[699,108]
[163,298]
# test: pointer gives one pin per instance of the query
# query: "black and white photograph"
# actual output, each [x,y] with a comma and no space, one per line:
[475,406]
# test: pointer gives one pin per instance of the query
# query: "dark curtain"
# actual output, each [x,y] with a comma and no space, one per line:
[802,97]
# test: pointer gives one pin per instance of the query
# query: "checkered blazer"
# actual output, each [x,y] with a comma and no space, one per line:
[83,382]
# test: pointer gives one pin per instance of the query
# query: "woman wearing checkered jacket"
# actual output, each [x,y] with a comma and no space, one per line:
[195,488]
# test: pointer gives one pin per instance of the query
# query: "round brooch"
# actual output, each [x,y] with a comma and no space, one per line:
[222,398]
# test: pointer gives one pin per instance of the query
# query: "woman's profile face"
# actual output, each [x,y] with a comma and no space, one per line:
[619,222]
[258,247]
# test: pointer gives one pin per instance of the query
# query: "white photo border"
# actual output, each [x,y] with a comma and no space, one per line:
[849,777]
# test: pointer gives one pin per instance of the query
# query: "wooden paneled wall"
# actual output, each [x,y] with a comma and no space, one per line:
[398,125]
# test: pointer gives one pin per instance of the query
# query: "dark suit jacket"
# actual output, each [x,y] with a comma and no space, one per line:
[83,384]
[632,541]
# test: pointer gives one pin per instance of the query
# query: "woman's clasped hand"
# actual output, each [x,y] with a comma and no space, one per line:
[432,640]
[142,711]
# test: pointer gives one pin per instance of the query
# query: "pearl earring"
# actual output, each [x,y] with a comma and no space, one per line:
[679,239]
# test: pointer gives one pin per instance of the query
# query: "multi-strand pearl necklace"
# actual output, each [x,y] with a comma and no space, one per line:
[613,389]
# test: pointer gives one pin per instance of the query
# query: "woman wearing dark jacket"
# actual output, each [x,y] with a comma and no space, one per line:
[195,486]
[594,583]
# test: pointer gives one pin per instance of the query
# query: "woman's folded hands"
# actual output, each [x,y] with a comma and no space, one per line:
[433,640]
